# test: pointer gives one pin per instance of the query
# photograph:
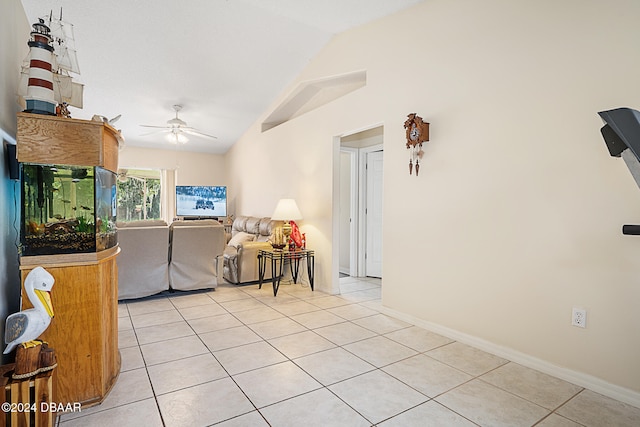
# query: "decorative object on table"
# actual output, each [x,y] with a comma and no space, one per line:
[62,110]
[177,129]
[28,325]
[23,328]
[46,76]
[417,132]
[278,241]
[104,119]
[296,237]
[286,210]
[32,358]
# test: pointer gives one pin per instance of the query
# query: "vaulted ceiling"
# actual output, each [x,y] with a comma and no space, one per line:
[224,61]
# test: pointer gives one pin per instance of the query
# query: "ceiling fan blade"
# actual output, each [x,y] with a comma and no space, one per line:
[192,131]
[176,128]
[155,132]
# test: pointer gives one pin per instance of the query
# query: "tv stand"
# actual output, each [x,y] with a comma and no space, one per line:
[198,218]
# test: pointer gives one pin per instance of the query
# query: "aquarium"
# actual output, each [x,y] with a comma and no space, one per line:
[67,209]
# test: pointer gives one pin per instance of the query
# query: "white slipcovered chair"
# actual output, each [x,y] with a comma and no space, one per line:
[143,263]
[194,248]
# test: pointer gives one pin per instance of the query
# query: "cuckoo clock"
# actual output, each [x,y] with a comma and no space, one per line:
[417,132]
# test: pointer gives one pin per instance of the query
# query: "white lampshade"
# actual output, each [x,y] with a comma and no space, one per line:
[286,210]
[177,137]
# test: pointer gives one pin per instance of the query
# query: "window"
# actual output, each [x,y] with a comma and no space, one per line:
[139,194]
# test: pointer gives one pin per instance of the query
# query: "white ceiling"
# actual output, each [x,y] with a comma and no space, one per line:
[225,61]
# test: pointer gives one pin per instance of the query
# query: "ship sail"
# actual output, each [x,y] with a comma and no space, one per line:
[66,90]
[64,44]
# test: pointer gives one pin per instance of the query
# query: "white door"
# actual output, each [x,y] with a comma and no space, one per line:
[345,211]
[373,214]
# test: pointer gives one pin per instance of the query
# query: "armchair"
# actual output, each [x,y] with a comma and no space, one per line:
[240,257]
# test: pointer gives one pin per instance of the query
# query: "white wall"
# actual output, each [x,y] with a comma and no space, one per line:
[516,215]
[14,34]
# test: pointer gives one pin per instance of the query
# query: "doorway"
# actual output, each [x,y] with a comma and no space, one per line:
[360,202]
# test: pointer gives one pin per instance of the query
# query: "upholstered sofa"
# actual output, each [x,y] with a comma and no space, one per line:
[156,257]
[240,258]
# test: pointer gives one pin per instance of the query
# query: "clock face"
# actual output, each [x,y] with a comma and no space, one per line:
[415,133]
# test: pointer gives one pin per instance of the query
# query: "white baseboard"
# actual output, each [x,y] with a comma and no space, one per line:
[590,382]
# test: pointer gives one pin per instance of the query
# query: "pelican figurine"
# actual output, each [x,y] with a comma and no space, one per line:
[27,325]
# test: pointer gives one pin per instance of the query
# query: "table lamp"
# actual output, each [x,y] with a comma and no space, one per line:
[286,210]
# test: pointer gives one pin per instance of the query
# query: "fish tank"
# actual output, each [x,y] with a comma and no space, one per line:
[67,209]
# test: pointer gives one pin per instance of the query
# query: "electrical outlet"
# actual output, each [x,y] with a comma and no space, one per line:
[579,317]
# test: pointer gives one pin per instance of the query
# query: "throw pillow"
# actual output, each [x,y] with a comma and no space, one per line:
[241,237]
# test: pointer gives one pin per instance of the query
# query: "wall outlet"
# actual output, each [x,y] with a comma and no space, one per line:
[579,317]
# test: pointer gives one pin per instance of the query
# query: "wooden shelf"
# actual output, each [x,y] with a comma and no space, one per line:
[66,259]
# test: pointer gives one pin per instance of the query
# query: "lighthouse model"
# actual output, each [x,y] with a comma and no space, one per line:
[40,97]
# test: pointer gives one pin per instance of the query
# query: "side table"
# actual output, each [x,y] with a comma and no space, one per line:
[278,258]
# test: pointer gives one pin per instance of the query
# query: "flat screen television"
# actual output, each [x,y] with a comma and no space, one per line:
[201,201]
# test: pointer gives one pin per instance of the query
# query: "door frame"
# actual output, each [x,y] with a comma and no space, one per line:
[335,211]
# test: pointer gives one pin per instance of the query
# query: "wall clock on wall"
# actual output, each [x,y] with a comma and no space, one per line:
[417,132]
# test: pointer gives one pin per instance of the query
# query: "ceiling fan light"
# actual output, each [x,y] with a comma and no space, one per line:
[177,138]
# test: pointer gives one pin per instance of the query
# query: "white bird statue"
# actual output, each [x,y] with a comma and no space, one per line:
[27,325]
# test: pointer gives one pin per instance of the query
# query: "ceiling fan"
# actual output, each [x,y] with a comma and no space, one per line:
[176,129]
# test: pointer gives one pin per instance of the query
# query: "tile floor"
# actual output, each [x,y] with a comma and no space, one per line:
[237,356]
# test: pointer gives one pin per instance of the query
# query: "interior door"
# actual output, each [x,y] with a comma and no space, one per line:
[373,214]
[345,212]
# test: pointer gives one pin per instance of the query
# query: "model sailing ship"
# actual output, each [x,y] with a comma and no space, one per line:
[46,82]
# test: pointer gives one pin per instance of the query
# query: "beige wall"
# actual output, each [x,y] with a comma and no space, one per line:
[191,168]
[182,167]
[516,215]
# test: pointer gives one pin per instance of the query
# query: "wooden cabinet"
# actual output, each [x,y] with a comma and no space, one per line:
[58,140]
[84,329]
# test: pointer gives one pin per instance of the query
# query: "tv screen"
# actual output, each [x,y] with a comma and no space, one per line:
[201,201]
